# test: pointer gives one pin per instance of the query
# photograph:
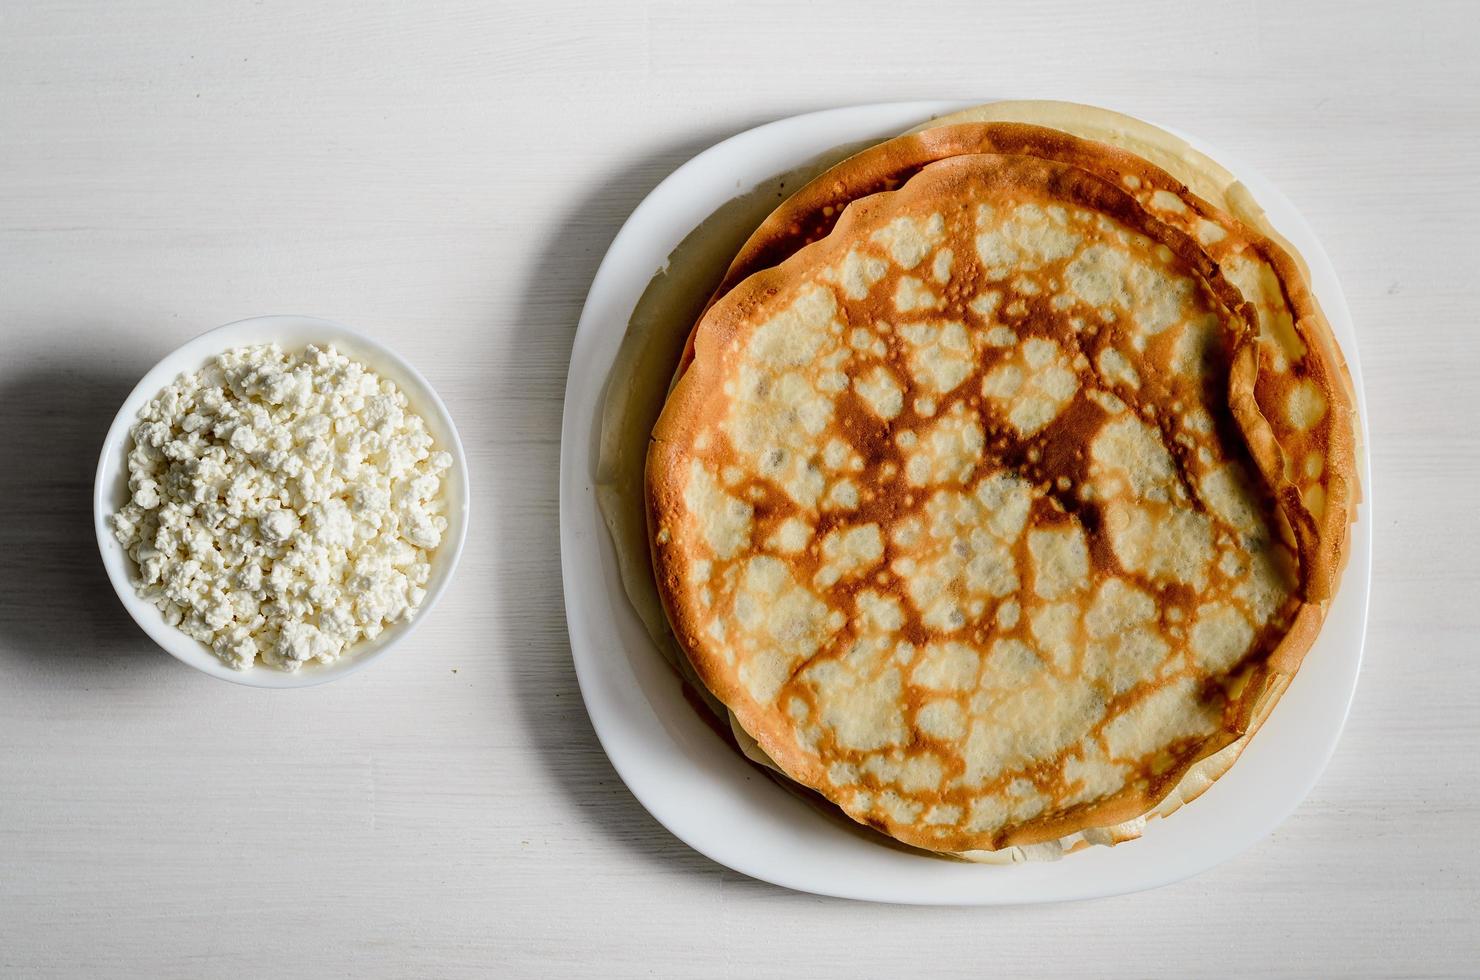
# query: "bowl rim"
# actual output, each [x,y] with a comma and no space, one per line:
[192,355]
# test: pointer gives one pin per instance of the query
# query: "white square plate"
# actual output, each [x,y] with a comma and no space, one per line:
[705,793]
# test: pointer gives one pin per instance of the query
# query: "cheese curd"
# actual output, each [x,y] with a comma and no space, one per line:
[283,505]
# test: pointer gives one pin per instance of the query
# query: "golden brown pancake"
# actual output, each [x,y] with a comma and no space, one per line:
[969,510]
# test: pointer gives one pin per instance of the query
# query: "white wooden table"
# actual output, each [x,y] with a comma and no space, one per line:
[446,176]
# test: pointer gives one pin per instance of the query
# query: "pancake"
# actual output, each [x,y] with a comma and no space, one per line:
[955,508]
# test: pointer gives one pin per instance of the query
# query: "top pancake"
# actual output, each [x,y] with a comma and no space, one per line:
[953,510]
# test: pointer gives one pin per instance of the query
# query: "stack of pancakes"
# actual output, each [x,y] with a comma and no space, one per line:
[1005,481]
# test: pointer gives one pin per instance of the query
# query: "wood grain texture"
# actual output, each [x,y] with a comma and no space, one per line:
[447,176]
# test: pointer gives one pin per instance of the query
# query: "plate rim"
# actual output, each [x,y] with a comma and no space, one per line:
[678,197]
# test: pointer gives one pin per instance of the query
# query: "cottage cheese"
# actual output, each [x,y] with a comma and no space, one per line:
[284,505]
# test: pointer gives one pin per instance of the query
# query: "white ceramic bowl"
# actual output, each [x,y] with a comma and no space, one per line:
[110,489]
